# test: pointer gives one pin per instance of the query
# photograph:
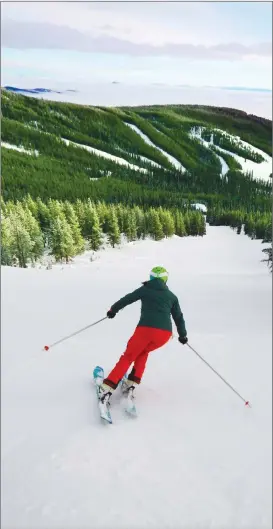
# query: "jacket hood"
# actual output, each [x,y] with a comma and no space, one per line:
[155,284]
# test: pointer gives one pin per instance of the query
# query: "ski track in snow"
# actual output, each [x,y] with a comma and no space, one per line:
[261,171]
[147,140]
[103,154]
[19,149]
[195,457]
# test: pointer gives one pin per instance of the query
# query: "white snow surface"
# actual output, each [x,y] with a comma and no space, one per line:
[200,206]
[147,140]
[150,161]
[261,171]
[19,149]
[196,457]
[116,159]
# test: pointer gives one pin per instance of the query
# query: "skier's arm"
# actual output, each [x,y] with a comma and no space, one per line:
[179,319]
[127,300]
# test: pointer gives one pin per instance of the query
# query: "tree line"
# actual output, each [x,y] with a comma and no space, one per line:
[257,225]
[70,173]
[33,228]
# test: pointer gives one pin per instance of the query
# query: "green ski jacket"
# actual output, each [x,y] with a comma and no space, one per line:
[158,304]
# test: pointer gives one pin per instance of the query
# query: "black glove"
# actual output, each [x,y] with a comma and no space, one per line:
[183,339]
[111,314]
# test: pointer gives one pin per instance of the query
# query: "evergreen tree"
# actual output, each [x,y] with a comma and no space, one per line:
[130,225]
[250,226]
[31,205]
[20,242]
[79,208]
[73,222]
[34,230]
[113,228]
[3,206]
[43,216]
[140,222]
[61,241]
[102,212]
[187,223]
[268,232]
[180,229]
[121,213]
[194,223]
[155,226]
[167,222]
[6,239]
[91,226]
[201,222]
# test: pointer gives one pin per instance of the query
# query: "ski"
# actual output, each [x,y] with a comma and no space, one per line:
[130,406]
[129,398]
[98,376]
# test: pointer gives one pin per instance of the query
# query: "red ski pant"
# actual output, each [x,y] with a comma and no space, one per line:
[143,341]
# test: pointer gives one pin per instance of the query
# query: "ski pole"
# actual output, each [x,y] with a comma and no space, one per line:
[46,347]
[234,390]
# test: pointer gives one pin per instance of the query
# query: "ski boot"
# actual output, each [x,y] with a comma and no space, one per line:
[128,392]
[127,386]
[104,394]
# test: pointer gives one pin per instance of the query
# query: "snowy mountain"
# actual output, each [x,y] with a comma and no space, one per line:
[195,456]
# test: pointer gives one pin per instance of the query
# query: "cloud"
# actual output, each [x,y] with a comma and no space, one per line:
[44,35]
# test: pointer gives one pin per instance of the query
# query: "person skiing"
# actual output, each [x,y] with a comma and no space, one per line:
[154,330]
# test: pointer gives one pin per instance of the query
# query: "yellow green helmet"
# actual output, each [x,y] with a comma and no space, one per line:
[159,272]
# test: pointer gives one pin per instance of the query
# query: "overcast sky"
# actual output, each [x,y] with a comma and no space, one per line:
[197,44]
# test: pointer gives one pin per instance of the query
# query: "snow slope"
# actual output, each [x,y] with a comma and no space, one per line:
[195,457]
[196,133]
[147,140]
[261,171]
[111,157]
[19,149]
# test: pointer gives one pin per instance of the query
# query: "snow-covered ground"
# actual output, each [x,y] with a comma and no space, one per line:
[171,159]
[144,159]
[260,171]
[195,457]
[116,159]
[19,149]
[200,206]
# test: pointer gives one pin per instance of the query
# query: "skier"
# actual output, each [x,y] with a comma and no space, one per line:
[154,330]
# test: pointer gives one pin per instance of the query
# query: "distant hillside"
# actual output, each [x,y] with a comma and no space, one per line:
[157,156]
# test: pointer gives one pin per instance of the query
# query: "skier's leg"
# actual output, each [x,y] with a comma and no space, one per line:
[136,345]
[139,366]
[159,337]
